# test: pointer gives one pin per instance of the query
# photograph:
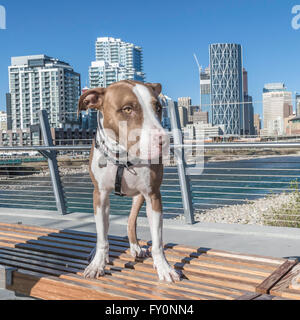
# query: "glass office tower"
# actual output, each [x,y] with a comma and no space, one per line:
[226,73]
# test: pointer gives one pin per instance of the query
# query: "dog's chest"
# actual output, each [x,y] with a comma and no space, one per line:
[135,180]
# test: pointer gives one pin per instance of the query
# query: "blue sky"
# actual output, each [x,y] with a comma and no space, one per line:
[169,31]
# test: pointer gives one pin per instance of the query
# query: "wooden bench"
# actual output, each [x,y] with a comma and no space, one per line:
[48,264]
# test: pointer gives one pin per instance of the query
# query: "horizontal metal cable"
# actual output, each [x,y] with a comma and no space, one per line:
[26,200]
[22,186]
[17,204]
[25,181]
[28,196]
[241,181]
[208,204]
[260,145]
[117,203]
[124,209]
[244,188]
[282,215]
[69,184]
[253,169]
[228,193]
[246,175]
[89,193]
[223,199]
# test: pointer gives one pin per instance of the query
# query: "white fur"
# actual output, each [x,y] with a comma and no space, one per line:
[164,270]
[135,181]
[151,128]
[138,252]
[96,268]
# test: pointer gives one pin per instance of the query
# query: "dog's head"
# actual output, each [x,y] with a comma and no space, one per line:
[132,116]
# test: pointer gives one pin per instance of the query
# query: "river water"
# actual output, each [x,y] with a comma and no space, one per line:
[222,183]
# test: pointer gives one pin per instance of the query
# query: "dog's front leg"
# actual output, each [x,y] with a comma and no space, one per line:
[135,249]
[155,216]
[101,257]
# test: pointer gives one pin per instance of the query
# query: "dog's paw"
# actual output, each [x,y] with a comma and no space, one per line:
[166,272]
[138,252]
[97,266]
[94,271]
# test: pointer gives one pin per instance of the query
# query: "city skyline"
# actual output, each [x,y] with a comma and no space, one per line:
[168,47]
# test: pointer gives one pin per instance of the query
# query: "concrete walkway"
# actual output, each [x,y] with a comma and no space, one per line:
[250,239]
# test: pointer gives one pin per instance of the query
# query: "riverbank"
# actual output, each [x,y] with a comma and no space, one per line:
[273,210]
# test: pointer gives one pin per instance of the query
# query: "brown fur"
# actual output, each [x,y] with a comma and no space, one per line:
[136,207]
[110,102]
[96,196]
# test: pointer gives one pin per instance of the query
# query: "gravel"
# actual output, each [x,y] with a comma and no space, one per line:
[252,212]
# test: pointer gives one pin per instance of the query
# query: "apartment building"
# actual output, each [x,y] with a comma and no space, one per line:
[116,60]
[40,82]
[277,105]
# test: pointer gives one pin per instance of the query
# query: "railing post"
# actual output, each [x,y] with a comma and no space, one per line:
[184,178]
[52,162]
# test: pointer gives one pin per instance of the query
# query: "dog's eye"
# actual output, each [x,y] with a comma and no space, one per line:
[127,109]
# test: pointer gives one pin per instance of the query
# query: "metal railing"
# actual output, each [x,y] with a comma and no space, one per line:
[235,176]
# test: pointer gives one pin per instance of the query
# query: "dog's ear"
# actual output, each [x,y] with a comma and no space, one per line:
[91,99]
[156,87]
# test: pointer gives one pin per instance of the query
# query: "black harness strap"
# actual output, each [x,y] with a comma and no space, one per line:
[119,178]
[120,171]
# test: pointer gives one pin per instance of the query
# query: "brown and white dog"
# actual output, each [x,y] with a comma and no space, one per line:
[130,121]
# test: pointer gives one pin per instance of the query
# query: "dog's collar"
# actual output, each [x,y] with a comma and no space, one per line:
[111,149]
[112,152]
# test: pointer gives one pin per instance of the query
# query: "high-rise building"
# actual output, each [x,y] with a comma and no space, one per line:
[186,102]
[248,116]
[198,131]
[8,111]
[183,115]
[257,124]
[297,104]
[277,105]
[165,102]
[205,93]
[200,117]
[293,126]
[41,82]
[116,60]
[226,72]
[114,50]
[245,82]
[248,111]
[3,120]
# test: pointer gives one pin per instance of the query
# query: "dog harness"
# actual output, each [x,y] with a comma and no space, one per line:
[107,146]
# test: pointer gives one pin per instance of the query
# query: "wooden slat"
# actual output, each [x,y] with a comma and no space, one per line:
[52,288]
[186,249]
[179,287]
[275,277]
[51,262]
[186,283]
[208,268]
[224,263]
[248,296]
[284,288]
